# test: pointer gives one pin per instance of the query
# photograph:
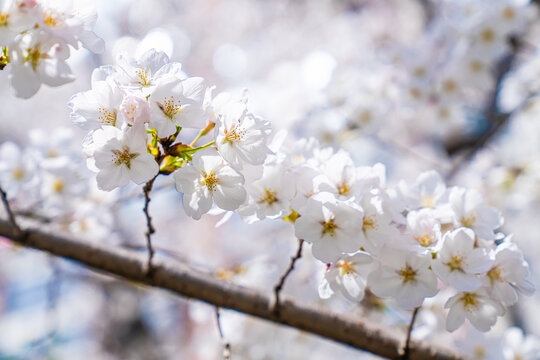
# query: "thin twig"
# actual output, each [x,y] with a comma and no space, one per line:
[407,348]
[11,216]
[279,286]
[150,228]
[226,345]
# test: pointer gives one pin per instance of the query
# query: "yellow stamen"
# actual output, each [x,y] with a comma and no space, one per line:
[329,227]
[269,197]
[210,181]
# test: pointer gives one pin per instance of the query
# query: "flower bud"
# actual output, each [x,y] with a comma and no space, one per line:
[134,110]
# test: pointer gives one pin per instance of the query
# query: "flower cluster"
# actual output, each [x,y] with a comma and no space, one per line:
[135,113]
[34,39]
[413,240]
[404,242]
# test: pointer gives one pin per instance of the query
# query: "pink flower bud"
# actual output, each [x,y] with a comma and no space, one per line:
[135,110]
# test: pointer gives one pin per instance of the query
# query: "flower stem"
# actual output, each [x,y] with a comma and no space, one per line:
[407,349]
[150,228]
[281,283]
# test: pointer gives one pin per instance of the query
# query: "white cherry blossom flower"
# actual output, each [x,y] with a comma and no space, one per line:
[508,272]
[38,58]
[470,211]
[121,156]
[72,21]
[341,176]
[143,74]
[477,307]
[424,228]
[97,107]
[427,191]
[404,276]
[207,180]
[348,276]
[15,17]
[331,225]
[241,136]
[459,263]
[270,195]
[377,227]
[17,169]
[176,102]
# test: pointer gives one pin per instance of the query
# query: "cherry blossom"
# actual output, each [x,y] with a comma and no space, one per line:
[406,277]
[347,276]
[121,157]
[206,180]
[331,225]
[476,306]
[459,263]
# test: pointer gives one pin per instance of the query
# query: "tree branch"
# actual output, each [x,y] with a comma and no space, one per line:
[191,283]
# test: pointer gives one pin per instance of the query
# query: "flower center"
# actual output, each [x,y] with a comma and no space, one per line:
[170,106]
[425,240]
[487,36]
[345,268]
[58,186]
[18,173]
[53,19]
[123,156]
[107,117]
[455,263]
[329,227]
[494,275]
[234,134]
[468,221]
[4,18]
[428,200]
[269,197]
[343,188]
[508,13]
[469,300]
[476,66]
[210,181]
[34,55]
[407,274]
[143,73]
[449,86]
[369,223]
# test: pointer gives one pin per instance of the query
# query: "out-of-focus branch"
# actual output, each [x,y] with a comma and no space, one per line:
[496,121]
[188,282]
[10,214]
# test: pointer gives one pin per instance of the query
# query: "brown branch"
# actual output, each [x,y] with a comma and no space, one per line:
[185,281]
[407,348]
[277,289]
[150,228]
[10,214]
[225,343]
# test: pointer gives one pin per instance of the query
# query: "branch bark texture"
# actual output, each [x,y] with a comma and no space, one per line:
[191,283]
